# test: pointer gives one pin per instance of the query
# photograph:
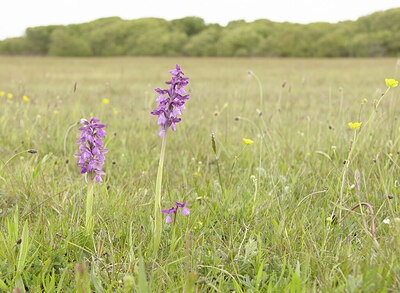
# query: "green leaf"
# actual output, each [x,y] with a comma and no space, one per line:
[42,162]
[23,253]
[259,274]
[3,286]
[143,285]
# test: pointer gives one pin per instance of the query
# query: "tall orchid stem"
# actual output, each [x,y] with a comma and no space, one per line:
[89,223]
[157,199]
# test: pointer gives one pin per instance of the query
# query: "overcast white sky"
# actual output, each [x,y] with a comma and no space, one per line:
[17,15]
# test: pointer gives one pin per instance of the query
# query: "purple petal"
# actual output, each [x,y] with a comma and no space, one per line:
[176,112]
[168,219]
[95,151]
[98,178]
[86,155]
[99,142]
[84,121]
[160,98]
[101,133]
[161,120]
[181,90]
[161,132]
[185,211]
[181,205]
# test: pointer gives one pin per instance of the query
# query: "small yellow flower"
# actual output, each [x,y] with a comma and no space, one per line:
[391,82]
[355,125]
[26,99]
[91,114]
[116,112]
[248,141]
[55,112]
[38,116]
[106,101]
[10,96]
[365,101]
[329,219]
[2,94]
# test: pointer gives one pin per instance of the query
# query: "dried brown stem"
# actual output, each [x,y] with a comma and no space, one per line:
[371,212]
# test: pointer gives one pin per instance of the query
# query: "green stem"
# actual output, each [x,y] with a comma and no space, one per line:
[157,200]
[17,154]
[89,223]
[219,176]
[260,87]
[355,140]
[261,143]
[376,107]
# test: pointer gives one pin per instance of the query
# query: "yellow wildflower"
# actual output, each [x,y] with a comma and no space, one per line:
[26,99]
[2,94]
[329,219]
[106,101]
[38,116]
[248,141]
[116,112]
[10,96]
[55,112]
[391,82]
[355,125]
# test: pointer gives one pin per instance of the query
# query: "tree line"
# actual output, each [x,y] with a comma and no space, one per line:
[375,35]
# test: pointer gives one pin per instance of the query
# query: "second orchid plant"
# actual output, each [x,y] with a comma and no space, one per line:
[171,103]
[91,158]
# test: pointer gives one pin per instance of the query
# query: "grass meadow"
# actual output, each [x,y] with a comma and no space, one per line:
[264,217]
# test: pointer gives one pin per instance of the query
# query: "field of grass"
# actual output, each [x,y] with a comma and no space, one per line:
[267,221]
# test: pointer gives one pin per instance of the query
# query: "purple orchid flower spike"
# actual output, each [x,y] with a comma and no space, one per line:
[185,210]
[91,147]
[172,101]
[169,212]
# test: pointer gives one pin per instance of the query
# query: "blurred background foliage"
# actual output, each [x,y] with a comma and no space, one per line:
[375,35]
